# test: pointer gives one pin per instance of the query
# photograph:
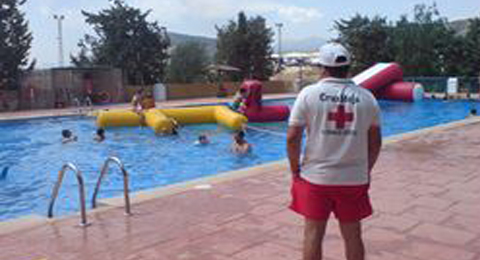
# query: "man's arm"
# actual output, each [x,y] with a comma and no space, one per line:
[294,148]
[374,145]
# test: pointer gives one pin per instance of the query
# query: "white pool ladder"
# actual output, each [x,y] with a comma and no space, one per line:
[81,187]
[125,183]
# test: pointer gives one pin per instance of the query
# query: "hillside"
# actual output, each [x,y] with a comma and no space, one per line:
[210,43]
[288,45]
[460,26]
[301,45]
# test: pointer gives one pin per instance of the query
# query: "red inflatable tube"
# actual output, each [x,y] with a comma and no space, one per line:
[378,76]
[404,91]
[253,108]
[268,114]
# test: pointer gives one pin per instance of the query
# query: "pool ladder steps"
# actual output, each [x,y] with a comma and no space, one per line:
[81,187]
[125,183]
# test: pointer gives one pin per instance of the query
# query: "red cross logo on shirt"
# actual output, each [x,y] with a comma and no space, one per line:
[340,117]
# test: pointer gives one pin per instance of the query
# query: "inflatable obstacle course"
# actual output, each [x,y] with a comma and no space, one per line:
[254,109]
[163,120]
[385,80]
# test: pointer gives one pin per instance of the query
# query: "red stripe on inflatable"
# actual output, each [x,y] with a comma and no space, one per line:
[393,72]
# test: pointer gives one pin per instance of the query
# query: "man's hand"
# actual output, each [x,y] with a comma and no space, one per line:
[374,145]
[294,147]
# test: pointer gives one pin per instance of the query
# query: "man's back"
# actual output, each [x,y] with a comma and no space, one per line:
[337,115]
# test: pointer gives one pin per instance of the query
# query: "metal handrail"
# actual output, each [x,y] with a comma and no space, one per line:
[125,183]
[81,187]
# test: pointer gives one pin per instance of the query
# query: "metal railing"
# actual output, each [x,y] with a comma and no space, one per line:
[84,106]
[125,183]
[81,187]
[439,84]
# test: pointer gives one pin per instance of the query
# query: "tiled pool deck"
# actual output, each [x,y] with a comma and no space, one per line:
[425,192]
[27,114]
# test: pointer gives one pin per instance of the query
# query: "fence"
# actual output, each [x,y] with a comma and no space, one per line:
[203,90]
[439,84]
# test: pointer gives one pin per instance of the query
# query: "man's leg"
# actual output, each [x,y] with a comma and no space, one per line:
[352,236]
[313,238]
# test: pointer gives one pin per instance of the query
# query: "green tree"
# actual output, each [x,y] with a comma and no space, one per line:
[15,43]
[188,62]
[472,48]
[369,40]
[260,44]
[422,44]
[247,45]
[125,39]
[455,56]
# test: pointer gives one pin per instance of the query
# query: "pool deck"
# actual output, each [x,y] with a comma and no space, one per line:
[425,192]
[70,111]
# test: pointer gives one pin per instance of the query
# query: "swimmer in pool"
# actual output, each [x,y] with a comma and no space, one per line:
[202,140]
[68,137]
[240,145]
[100,135]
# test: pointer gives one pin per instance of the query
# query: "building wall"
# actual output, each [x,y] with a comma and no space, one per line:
[36,90]
[8,100]
[43,89]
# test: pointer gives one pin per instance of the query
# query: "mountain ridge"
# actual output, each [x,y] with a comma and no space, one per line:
[307,44]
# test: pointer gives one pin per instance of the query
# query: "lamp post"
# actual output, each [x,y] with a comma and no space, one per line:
[59,19]
[279,27]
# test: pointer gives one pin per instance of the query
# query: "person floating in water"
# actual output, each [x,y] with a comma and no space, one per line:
[4,173]
[68,137]
[202,140]
[100,135]
[240,145]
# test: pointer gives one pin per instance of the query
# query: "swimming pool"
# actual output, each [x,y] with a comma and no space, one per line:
[33,152]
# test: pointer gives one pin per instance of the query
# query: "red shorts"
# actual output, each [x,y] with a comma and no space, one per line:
[348,203]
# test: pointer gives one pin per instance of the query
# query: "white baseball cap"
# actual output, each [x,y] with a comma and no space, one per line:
[334,55]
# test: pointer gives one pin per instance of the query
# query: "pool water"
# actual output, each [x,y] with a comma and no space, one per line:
[33,152]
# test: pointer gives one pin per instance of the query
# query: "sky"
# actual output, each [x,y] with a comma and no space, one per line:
[301,18]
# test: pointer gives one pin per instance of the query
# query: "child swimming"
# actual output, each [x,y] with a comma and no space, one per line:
[67,136]
[100,135]
[202,140]
[240,145]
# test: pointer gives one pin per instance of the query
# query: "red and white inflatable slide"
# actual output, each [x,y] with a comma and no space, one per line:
[385,80]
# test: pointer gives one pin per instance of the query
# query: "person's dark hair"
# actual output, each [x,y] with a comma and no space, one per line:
[473,111]
[66,133]
[174,131]
[100,131]
[338,72]
[241,134]
[242,90]
[240,137]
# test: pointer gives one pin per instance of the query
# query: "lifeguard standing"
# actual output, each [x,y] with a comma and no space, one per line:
[343,141]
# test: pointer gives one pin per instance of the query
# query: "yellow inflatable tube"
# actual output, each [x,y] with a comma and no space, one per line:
[160,120]
[114,118]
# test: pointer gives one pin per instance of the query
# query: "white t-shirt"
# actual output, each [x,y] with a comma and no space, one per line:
[337,115]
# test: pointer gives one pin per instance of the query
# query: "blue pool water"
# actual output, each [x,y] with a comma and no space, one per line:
[33,152]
